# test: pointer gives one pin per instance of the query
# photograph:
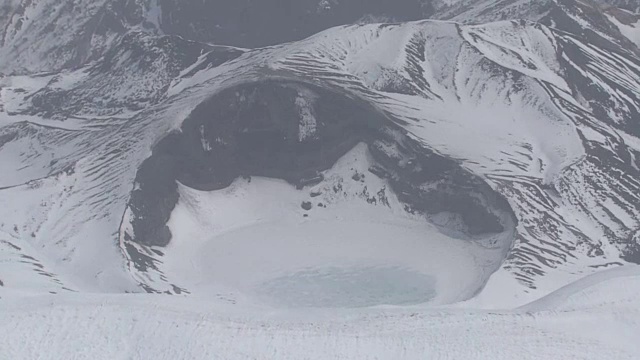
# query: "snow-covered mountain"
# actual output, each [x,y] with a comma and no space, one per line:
[485,157]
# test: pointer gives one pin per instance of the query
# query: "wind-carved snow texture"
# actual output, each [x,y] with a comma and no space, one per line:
[163,327]
[418,164]
[516,117]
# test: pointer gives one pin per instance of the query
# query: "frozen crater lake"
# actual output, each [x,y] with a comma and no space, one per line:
[350,287]
[253,243]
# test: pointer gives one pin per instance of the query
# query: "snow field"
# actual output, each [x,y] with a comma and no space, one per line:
[87,326]
[254,243]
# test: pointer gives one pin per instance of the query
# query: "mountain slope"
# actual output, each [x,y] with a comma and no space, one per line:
[525,119]
[300,197]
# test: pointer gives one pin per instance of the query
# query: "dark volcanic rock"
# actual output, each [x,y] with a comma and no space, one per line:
[247,23]
[257,129]
[294,131]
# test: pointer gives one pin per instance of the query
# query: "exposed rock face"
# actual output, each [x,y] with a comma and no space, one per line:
[248,23]
[629,5]
[293,131]
[51,35]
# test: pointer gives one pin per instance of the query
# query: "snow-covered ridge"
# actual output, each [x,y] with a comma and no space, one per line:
[487,78]
[515,115]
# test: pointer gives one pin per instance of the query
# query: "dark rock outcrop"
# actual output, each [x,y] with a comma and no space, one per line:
[253,24]
[294,131]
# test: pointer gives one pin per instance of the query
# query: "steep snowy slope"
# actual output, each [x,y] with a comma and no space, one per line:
[516,109]
[586,19]
[627,23]
[50,35]
[541,159]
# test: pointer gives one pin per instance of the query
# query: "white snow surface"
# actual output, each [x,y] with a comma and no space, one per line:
[514,130]
[595,318]
[502,109]
[253,242]
[630,30]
